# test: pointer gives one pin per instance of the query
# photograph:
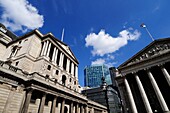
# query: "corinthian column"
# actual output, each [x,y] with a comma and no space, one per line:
[54,105]
[143,94]
[54,52]
[27,101]
[43,48]
[62,106]
[166,74]
[131,99]
[71,107]
[46,46]
[157,91]
[41,109]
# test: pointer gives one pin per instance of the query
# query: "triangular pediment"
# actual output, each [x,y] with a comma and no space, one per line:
[67,49]
[157,47]
[63,46]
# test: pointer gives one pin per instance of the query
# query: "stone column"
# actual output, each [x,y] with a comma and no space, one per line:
[77,108]
[72,68]
[92,110]
[49,47]
[131,99]
[76,73]
[54,105]
[54,52]
[68,64]
[43,48]
[59,108]
[41,108]
[61,59]
[86,109]
[158,92]
[71,107]
[166,74]
[27,101]
[82,109]
[62,106]
[143,94]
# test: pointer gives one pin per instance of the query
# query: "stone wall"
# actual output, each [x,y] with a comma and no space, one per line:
[2,51]
[11,99]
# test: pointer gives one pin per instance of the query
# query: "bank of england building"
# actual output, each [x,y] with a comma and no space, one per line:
[39,74]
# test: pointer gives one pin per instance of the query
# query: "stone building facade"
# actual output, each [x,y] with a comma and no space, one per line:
[144,80]
[39,74]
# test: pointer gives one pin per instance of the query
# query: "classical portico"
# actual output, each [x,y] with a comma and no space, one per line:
[144,80]
[58,57]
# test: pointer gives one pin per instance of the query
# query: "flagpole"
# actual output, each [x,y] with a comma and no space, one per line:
[144,26]
[62,36]
[149,34]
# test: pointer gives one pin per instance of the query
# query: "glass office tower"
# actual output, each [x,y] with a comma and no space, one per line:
[94,73]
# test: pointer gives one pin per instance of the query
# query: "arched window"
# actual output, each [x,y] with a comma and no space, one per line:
[49,67]
[56,72]
[64,80]
[65,109]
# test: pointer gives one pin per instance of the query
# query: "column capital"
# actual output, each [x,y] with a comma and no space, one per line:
[134,72]
[161,65]
[147,68]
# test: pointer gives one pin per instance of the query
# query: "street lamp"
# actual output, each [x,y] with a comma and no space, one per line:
[104,88]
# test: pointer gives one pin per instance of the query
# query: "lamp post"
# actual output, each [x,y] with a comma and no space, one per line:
[104,88]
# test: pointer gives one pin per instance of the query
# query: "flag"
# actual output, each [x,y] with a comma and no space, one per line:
[143,25]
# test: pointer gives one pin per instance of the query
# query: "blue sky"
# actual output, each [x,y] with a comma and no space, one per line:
[97,31]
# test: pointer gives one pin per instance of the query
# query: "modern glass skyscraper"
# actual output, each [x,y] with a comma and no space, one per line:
[94,73]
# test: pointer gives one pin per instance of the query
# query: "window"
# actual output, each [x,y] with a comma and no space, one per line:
[16,63]
[20,42]
[47,76]
[49,67]
[70,79]
[56,72]
[14,50]
[55,80]
[64,80]
[25,40]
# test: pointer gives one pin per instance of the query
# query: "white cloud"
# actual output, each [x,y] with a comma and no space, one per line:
[20,15]
[104,43]
[108,62]
[99,61]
